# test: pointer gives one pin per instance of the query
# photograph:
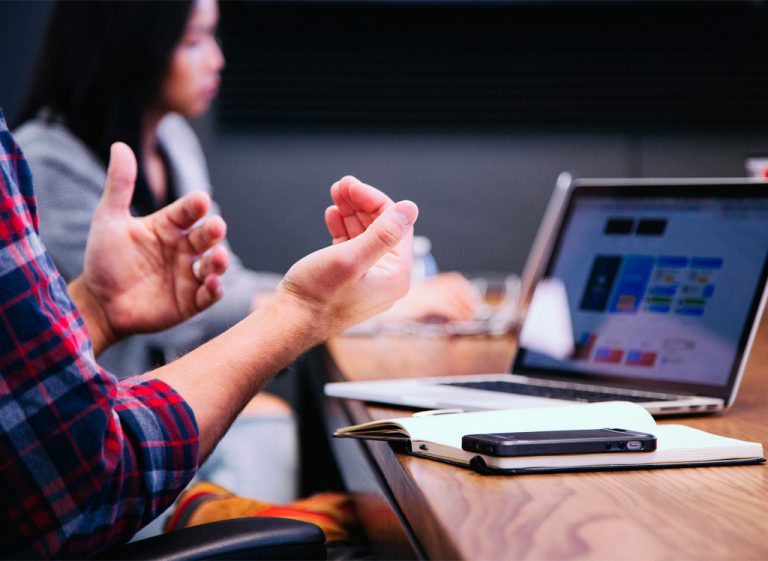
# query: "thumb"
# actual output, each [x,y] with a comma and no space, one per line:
[121,178]
[388,232]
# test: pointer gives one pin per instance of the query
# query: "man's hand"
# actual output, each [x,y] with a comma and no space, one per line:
[146,274]
[367,268]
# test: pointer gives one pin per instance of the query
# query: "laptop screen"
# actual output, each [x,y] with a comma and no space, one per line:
[663,284]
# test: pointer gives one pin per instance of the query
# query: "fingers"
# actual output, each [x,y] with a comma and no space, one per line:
[206,235]
[358,204]
[209,292]
[393,230]
[208,270]
[186,211]
[121,178]
[458,308]
[335,223]
[446,306]
[447,297]
[352,195]
[460,295]
[214,263]
[457,290]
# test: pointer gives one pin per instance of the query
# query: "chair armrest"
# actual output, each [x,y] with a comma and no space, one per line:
[238,538]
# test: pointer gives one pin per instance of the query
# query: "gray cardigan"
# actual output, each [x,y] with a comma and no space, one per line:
[68,181]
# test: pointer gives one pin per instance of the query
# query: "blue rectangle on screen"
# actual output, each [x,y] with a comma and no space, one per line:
[659,309]
[600,282]
[671,262]
[706,263]
[666,290]
[632,283]
[691,311]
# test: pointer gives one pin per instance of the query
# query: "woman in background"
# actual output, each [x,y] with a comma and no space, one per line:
[134,71]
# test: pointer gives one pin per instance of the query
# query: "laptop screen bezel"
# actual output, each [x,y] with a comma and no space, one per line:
[622,189]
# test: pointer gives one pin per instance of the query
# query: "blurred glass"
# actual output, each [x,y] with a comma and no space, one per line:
[424,264]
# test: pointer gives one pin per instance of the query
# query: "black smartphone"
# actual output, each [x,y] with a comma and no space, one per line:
[593,441]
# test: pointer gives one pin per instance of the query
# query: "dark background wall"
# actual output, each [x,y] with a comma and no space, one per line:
[470,109]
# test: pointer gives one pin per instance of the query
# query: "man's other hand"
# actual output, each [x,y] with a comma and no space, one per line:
[146,274]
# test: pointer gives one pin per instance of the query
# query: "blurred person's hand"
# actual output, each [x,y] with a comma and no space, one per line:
[444,297]
[146,274]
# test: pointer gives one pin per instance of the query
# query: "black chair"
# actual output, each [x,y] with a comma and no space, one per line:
[239,538]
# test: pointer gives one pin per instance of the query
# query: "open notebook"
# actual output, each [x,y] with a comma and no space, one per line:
[438,437]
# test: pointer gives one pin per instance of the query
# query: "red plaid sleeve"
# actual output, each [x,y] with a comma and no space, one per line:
[85,461]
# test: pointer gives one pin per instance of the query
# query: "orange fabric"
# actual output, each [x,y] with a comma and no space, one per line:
[207,502]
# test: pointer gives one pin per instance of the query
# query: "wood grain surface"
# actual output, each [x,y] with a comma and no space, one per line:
[662,514]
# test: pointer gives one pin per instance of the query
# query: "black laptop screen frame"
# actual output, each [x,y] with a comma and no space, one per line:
[736,190]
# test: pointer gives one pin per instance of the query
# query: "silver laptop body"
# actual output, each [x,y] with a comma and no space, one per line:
[665,283]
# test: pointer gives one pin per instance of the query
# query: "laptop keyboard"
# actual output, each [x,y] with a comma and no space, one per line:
[569,394]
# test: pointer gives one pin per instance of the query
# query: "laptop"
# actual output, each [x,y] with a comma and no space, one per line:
[665,284]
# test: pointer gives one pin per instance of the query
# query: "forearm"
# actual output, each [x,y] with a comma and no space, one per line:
[319,296]
[219,378]
[99,328]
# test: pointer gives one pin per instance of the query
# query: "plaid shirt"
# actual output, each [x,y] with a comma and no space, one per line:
[85,461]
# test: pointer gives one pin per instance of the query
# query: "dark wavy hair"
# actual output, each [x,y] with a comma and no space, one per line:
[102,65]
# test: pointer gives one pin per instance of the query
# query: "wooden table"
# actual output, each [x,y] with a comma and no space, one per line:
[414,507]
